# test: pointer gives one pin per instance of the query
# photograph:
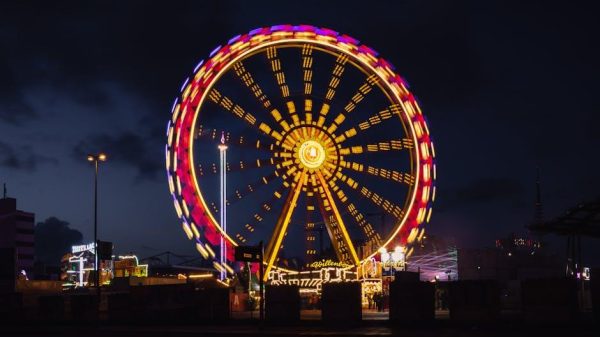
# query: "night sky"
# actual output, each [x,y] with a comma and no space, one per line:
[506,87]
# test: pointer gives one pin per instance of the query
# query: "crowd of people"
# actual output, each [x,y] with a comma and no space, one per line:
[376,301]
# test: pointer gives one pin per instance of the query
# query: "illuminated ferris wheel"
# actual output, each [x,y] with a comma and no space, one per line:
[319,139]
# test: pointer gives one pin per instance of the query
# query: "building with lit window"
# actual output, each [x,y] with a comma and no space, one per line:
[17,232]
[129,265]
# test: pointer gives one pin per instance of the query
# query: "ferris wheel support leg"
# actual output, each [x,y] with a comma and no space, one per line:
[282,223]
[340,222]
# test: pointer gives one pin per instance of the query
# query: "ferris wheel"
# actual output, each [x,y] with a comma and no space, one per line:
[327,151]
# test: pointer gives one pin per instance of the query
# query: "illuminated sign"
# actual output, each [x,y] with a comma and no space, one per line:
[248,253]
[312,278]
[83,248]
[328,264]
[81,263]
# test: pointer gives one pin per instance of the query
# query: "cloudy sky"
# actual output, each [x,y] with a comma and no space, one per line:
[506,87]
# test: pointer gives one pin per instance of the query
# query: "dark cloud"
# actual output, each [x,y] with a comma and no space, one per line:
[128,149]
[22,157]
[490,190]
[13,107]
[53,239]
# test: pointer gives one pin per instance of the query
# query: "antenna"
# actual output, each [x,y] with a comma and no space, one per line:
[538,216]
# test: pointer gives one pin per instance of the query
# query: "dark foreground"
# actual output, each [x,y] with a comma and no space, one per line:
[306,330]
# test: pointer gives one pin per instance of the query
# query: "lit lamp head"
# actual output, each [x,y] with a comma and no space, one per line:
[97,157]
[222,146]
[398,254]
[385,256]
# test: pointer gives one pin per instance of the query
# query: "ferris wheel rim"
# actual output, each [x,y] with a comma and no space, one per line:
[293,40]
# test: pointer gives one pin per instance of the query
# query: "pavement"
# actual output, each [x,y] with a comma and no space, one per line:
[299,330]
[315,315]
[373,324]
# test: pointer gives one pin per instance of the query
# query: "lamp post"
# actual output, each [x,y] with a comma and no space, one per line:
[96,158]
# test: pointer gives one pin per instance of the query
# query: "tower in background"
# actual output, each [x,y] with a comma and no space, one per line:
[538,216]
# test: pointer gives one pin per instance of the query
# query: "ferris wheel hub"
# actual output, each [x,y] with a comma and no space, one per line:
[312,154]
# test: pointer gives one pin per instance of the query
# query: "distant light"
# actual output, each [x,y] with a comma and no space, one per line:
[102,157]
[90,158]
[194,276]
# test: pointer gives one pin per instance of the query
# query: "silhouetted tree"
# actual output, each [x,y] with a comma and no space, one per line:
[53,239]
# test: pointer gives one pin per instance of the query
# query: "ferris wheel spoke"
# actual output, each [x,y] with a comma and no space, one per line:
[237,167]
[309,226]
[388,145]
[240,193]
[360,219]
[377,200]
[248,80]
[258,217]
[282,223]
[307,61]
[227,104]
[336,225]
[334,82]
[279,75]
[208,134]
[307,74]
[392,175]
[245,76]
[241,141]
[394,109]
[358,96]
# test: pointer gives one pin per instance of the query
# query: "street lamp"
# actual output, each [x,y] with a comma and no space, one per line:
[394,260]
[399,257]
[96,158]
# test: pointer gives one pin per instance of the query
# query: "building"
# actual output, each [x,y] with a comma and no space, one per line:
[512,258]
[17,232]
[129,265]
